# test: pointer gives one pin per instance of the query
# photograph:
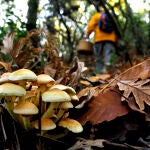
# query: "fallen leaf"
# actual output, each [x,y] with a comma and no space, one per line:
[104,107]
[139,88]
[6,66]
[85,95]
[132,104]
[87,144]
[18,45]
[8,43]
[86,83]
[23,58]
[99,77]
[141,70]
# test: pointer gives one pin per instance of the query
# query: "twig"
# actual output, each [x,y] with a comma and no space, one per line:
[15,133]
[40,105]
[2,125]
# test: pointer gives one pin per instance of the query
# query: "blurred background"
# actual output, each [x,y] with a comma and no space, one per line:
[67,21]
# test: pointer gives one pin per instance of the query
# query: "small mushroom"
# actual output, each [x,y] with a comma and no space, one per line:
[74,97]
[43,82]
[45,79]
[21,76]
[54,97]
[26,109]
[71,124]
[63,107]
[10,89]
[67,89]
[46,124]
[10,92]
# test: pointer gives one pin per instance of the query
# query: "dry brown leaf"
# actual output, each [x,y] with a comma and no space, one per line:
[49,70]
[140,90]
[64,74]
[104,107]
[99,77]
[86,83]
[141,70]
[85,95]
[8,43]
[87,144]
[23,58]
[132,104]
[74,72]
[6,66]
[17,47]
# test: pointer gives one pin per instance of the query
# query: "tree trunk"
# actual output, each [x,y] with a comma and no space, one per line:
[32,18]
[134,30]
[32,14]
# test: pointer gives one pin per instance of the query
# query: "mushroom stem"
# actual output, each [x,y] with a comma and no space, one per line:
[9,105]
[43,104]
[51,110]
[26,122]
[60,114]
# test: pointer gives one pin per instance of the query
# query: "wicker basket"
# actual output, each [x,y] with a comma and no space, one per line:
[85,46]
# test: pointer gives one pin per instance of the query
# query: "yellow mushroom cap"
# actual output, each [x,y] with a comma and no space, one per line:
[74,97]
[71,125]
[55,95]
[46,124]
[45,79]
[22,74]
[25,108]
[66,105]
[62,87]
[10,89]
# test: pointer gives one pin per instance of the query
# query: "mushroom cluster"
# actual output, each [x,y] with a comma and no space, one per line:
[37,102]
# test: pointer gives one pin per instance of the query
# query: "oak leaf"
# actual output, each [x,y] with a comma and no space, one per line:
[141,70]
[139,88]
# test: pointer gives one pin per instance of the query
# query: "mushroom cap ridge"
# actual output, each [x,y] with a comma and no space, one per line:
[55,95]
[71,124]
[10,89]
[22,74]
[25,108]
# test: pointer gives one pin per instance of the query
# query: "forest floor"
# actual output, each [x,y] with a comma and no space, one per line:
[109,123]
